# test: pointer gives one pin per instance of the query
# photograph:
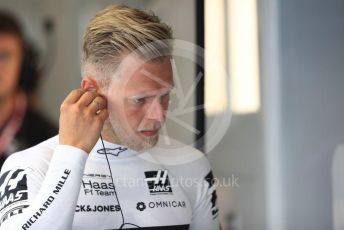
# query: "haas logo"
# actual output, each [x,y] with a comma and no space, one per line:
[13,187]
[158,182]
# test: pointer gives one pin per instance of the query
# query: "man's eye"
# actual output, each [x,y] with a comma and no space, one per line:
[165,96]
[138,101]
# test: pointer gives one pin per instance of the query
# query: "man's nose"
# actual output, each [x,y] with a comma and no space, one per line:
[156,111]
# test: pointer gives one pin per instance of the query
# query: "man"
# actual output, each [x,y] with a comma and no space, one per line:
[126,178]
[20,125]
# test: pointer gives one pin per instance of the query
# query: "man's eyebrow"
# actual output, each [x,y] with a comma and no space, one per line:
[151,93]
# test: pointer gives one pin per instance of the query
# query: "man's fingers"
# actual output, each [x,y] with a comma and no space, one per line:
[97,104]
[74,96]
[103,114]
[87,98]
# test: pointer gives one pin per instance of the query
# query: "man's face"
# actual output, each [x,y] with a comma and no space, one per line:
[10,63]
[138,100]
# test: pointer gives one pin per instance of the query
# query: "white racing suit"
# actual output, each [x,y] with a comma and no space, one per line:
[52,186]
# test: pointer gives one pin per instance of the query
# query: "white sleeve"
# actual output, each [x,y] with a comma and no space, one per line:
[34,197]
[205,213]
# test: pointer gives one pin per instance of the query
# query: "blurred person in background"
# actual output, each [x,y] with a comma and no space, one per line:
[21,125]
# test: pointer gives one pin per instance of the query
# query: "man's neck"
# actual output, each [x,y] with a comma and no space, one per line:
[108,134]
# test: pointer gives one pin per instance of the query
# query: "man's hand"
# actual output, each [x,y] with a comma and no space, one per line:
[82,115]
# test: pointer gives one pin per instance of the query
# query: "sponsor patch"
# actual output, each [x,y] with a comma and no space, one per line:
[43,208]
[210,179]
[97,208]
[112,151]
[93,187]
[160,204]
[158,182]
[13,188]
[14,211]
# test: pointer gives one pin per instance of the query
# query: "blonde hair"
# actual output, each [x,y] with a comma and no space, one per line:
[117,30]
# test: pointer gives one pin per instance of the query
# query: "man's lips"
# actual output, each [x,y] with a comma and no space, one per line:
[149,133]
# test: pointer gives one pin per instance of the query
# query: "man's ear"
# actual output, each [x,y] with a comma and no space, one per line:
[88,83]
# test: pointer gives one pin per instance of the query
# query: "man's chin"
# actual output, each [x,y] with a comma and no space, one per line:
[137,141]
[147,143]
